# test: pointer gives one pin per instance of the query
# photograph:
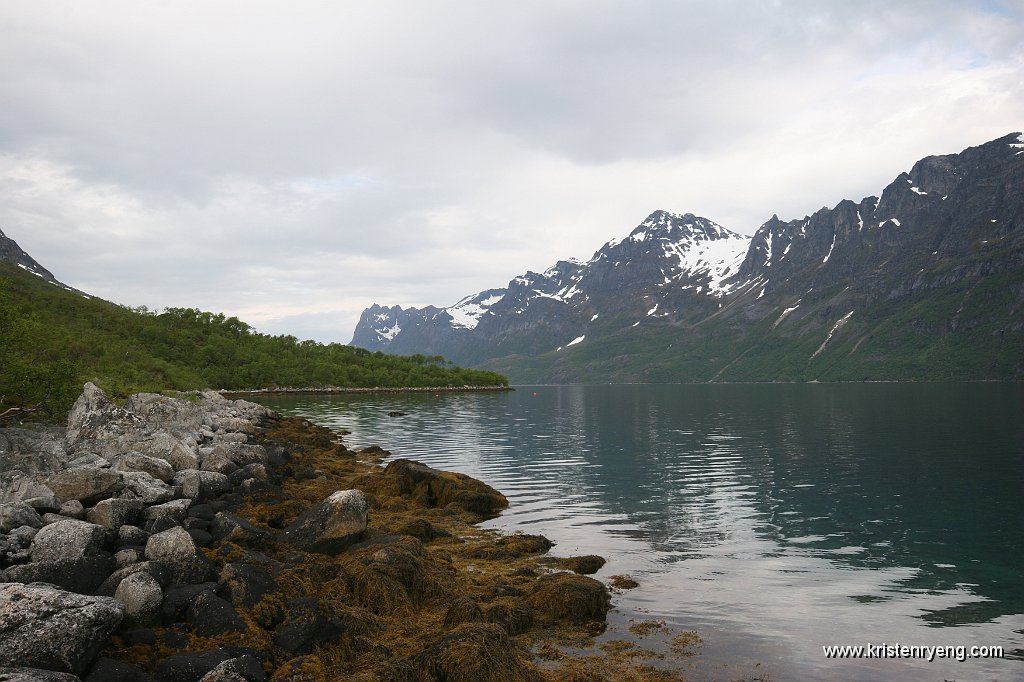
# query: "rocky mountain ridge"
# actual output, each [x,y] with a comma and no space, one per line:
[950,226]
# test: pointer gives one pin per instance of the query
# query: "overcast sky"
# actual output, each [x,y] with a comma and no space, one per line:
[293,163]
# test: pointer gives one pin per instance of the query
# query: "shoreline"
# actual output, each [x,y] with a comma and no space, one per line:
[305,561]
[331,390]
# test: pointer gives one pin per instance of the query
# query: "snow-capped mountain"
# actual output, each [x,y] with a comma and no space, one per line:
[666,257]
[12,253]
[860,290]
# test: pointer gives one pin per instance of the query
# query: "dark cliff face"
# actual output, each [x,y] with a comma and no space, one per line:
[667,256]
[952,225]
[12,253]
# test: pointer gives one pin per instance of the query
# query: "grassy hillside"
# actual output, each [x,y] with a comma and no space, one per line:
[53,340]
[968,330]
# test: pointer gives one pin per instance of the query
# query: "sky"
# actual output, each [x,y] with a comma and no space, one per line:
[293,163]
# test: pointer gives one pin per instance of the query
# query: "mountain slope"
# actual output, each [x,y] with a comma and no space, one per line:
[53,339]
[925,281]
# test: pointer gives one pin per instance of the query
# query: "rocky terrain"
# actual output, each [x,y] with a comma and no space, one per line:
[199,538]
[924,281]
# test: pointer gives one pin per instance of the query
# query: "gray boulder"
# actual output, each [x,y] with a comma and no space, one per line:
[88,485]
[174,509]
[114,513]
[83,575]
[165,446]
[154,466]
[73,509]
[242,669]
[44,627]
[15,514]
[175,549]
[44,503]
[148,489]
[202,485]
[89,414]
[233,528]
[142,597]
[67,538]
[331,526]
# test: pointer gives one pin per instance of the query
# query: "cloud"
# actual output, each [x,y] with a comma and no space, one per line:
[292,166]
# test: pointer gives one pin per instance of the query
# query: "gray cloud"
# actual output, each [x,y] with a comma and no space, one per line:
[291,166]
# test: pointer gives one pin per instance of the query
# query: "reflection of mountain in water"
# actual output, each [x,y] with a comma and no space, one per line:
[795,500]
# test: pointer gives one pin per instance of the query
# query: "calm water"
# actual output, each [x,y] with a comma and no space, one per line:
[773,519]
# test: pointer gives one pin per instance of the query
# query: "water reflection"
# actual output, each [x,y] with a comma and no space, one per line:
[784,517]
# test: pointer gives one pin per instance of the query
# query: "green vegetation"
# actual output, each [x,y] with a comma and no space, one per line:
[53,340]
[969,330]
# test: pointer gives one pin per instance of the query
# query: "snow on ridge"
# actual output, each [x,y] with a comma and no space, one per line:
[829,254]
[389,333]
[466,313]
[917,190]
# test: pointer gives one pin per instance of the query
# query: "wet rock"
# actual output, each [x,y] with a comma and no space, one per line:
[114,513]
[44,627]
[209,616]
[67,538]
[83,575]
[331,526]
[423,530]
[228,527]
[244,585]
[177,600]
[142,597]
[87,485]
[15,514]
[201,537]
[109,670]
[436,488]
[311,624]
[256,471]
[154,466]
[567,597]
[157,570]
[584,565]
[191,666]
[476,651]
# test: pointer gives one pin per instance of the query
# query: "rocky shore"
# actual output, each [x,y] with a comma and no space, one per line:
[200,538]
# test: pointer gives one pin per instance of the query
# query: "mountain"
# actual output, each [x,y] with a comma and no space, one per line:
[12,253]
[925,281]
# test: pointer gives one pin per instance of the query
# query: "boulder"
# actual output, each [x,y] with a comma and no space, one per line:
[567,597]
[202,485]
[242,669]
[435,488]
[142,597]
[109,670]
[155,569]
[89,414]
[114,513]
[308,625]
[244,585]
[136,461]
[193,666]
[148,489]
[174,451]
[178,598]
[333,525]
[73,509]
[131,536]
[209,616]
[15,514]
[44,627]
[44,503]
[228,527]
[83,575]
[66,539]
[176,509]
[176,549]
[86,484]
